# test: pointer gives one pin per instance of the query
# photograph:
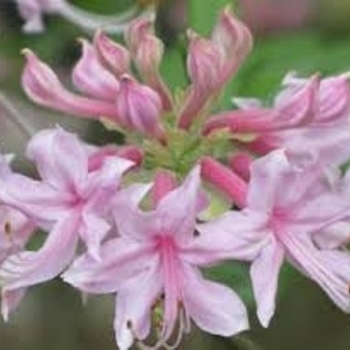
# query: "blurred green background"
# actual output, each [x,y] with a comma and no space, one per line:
[318,40]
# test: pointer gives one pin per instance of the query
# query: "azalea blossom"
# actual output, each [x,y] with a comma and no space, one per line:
[154,265]
[309,118]
[71,200]
[293,212]
[32,12]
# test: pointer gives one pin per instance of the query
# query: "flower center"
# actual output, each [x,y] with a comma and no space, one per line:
[279,216]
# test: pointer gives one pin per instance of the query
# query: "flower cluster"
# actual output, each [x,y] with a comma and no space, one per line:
[277,167]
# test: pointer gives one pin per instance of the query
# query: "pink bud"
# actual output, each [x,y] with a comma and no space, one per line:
[139,106]
[148,55]
[204,63]
[137,30]
[164,182]
[225,180]
[91,78]
[240,163]
[114,56]
[97,156]
[212,63]
[43,87]
[233,39]
[147,51]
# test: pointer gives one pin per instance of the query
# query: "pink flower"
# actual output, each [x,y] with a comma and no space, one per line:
[72,200]
[309,119]
[292,213]
[154,264]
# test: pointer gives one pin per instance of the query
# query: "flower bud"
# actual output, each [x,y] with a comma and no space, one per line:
[139,106]
[42,86]
[147,52]
[204,63]
[91,78]
[115,57]
[233,39]
[137,30]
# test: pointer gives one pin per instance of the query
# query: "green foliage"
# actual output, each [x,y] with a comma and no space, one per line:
[203,15]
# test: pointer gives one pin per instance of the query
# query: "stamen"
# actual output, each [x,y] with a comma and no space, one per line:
[163,342]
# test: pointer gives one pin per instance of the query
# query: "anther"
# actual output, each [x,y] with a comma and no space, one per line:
[7,228]
[196,233]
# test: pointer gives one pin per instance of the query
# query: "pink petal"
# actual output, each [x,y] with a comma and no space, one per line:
[267,173]
[131,221]
[329,269]
[236,235]
[60,158]
[300,107]
[213,307]
[264,274]
[93,230]
[133,309]
[333,236]
[334,100]
[328,145]
[177,211]
[29,268]
[120,260]
[36,199]
[316,213]
[102,185]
